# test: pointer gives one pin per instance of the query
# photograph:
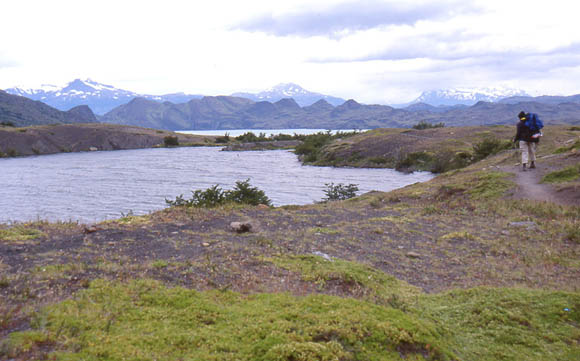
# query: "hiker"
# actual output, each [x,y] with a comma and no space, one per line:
[528,134]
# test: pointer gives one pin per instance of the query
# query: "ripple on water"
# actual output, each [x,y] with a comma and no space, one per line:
[94,186]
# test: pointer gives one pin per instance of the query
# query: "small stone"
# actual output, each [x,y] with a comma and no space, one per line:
[241,227]
[527,224]
[205,244]
[318,224]
[93,149]
[323,255]
[90,229]
[505,233]
[413,255]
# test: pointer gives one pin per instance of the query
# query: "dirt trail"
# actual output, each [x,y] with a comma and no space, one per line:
[529,186]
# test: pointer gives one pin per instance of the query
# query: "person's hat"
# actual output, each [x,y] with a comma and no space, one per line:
[522,114]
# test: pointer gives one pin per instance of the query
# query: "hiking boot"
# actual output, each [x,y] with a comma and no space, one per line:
[523,167]
[532,166]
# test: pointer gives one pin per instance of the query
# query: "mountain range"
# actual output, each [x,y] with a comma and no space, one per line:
[464,96]
[290,90]
[182,112]
[101,98]
[225,112]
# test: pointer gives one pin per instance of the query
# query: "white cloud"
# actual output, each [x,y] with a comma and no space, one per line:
[200,47]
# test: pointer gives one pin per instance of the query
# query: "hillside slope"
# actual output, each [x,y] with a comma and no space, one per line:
[84,137]
[22,111]
[433,149]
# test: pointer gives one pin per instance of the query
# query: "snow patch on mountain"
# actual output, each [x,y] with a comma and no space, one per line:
[290,90]
[466,96]
[101,98]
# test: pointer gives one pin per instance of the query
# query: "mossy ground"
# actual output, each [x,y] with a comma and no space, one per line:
[444,269]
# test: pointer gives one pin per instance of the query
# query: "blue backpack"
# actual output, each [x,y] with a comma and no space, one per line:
[534,123]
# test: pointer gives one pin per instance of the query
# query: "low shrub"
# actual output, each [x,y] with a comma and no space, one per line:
[415,161]
[171,141]
[489,146]
[572,232]
[250,137]
[224,139]
[242,193]
[426,125]
[311,145]
[446,161]
[339,192]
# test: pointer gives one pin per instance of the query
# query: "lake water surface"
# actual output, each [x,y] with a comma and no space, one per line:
[94,186]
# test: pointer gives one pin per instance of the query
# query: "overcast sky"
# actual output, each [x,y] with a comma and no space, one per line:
[372,51]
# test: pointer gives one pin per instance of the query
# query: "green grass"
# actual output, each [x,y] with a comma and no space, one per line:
[565,175]
[159,264]
[488,185]
[508,324]
[575,145]
[20,233]
[361,279]
[144,320]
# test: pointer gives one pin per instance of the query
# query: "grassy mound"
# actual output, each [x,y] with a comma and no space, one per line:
[508,323]
[145,320]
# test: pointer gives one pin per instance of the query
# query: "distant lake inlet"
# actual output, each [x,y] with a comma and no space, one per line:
[94,186]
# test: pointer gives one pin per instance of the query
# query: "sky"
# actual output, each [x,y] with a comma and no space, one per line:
[384,52]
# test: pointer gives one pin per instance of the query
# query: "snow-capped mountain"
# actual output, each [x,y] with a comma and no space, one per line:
[290,90]
[466,96]
[101,98]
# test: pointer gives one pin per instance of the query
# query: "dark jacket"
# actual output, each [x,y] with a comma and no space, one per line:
[524,133]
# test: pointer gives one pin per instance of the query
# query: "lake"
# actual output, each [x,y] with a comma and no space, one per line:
[94,186]
[268,132]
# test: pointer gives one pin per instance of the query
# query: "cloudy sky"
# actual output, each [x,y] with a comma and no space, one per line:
[373,51]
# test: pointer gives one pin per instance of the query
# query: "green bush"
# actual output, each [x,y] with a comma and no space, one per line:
[339,191]
[313,143]
[415,160]
[572,232]
[7,123]
[171,141]
[224,139]
[250,137]
[242,193]
[446,161]
[426,125]
[311,146]
[489,146]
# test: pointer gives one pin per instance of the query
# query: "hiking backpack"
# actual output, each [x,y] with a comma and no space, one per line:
[534,123]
